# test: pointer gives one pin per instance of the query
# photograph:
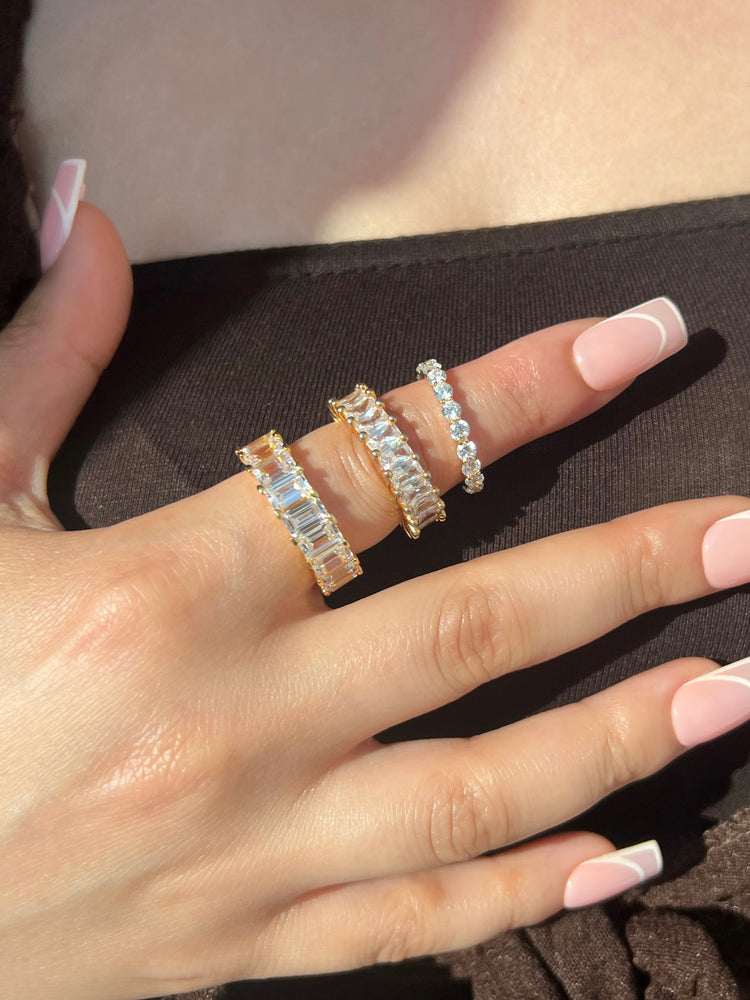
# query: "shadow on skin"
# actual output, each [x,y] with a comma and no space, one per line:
[313,100]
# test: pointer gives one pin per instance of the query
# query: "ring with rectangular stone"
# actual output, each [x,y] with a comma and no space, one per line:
[312,529]
[458,427]
[418,499]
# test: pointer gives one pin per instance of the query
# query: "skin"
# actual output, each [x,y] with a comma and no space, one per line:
[385,118]
[191,792]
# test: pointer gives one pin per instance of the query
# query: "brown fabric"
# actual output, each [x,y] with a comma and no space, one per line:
[687,938]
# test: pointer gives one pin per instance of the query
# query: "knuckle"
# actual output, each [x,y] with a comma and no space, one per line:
[645,571]
[471,643]
[173,762]
[127,603]
[619,755]
[402,929]
[519,392]
[461,820]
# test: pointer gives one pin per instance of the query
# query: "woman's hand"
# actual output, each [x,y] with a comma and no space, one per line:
[191,792]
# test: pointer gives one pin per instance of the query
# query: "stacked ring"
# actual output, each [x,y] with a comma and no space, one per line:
[313,530]
[458,427]
[410,484]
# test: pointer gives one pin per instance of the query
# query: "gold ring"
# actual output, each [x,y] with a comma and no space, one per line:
[418,500]
[312,529]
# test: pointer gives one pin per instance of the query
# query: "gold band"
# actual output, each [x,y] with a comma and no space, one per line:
[312,529]
[367,417]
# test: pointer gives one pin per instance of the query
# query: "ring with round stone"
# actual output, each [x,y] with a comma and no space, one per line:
[458,427]
[366,415]
[312,529]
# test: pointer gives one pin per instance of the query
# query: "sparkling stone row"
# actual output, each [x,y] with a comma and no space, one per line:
[412,486]
[313,530]
[458,427]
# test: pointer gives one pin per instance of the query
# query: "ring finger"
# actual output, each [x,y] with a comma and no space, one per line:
[419,805]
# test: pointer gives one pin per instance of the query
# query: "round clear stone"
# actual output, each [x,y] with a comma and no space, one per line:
[424,367]
[475,484]
[435,376]
[466,451]
[459,430]
[443,391]
[471,468]
[451,410]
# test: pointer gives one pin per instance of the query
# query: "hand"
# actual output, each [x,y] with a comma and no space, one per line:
[191,792]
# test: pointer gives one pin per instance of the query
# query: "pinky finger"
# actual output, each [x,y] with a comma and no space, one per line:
[395,918]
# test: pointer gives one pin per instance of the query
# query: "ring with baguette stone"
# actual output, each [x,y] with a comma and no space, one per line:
[313,530]
[458,427]
[410,484]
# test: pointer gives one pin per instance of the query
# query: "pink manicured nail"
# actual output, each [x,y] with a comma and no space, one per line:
[619,348]
[60,210]
[712,704]
[726,551]
[610,874]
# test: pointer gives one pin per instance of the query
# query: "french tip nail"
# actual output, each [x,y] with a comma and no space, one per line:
[611,874]
[726,551]
[713,704]
[59,212]
[616,350]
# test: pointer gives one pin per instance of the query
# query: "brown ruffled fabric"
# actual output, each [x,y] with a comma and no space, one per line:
[683,939]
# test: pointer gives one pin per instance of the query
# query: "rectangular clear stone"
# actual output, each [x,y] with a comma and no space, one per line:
[292,492]
[399,455]
[305,518]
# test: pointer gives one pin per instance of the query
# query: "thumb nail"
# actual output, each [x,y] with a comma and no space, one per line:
[60,210]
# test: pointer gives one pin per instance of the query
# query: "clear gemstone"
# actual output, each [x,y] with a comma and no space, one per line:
[459,430]
[472,467]
[395,455]
[276,443]
[370,413]
[467,451]
[287,463]
[435,376]
[451,410]
[380,429]
[425,366]
[247,457]
[291,493]
[443,391]
[356,402]
[475,484]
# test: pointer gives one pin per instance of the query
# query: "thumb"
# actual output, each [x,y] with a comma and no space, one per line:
[63,336]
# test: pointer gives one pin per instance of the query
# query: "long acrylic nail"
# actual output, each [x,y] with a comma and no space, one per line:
[712,704]
[726,551]
[610,874]
[60,210]
[614,351]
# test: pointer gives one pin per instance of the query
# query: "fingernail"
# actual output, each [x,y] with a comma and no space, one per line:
[619,348]
[712,704]
[610,874]
[60,210]
[726,551]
